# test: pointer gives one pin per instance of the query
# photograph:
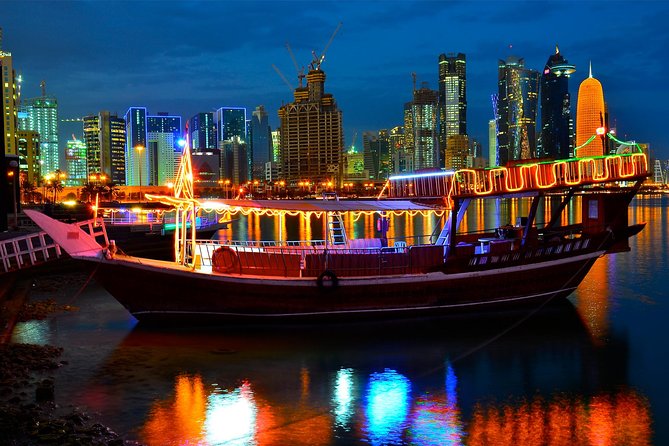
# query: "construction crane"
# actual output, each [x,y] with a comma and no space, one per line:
[355,136]
[300,71]
[318,60]
[282,77]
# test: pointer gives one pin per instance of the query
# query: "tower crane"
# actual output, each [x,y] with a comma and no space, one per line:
[355,136]
[300,71]
[290,87]
[318,60]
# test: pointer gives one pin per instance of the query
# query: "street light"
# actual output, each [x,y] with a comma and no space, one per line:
[139,149]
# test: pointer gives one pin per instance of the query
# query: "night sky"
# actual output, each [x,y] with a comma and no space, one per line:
[190,57]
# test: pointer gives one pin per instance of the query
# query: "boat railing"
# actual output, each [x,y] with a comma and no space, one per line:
[96,228]
[314,260]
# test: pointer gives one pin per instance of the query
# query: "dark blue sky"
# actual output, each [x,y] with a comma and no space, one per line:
[189,57]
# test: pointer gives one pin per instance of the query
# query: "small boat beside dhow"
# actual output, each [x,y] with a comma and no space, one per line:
[343,278]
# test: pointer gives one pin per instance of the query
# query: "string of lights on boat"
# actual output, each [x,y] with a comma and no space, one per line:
[545,175]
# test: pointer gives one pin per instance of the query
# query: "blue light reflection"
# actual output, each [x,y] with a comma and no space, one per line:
[388,397]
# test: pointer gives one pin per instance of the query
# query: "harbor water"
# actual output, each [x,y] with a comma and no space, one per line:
[589,370]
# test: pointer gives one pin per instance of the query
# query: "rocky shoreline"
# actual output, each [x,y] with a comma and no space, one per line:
[28,413]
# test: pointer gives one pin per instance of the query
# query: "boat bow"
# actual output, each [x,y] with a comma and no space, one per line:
[76,242]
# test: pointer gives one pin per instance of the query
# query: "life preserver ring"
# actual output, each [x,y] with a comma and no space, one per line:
[327,280]
[224,260]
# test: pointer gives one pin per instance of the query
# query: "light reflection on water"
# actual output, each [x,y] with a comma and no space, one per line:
[390,414]
[343,398]
[387,400]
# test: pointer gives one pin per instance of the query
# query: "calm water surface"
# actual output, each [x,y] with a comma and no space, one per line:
[590,370]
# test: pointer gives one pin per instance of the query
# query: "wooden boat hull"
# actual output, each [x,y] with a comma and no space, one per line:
[152,292]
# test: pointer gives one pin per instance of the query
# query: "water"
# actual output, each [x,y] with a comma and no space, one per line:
[589,370]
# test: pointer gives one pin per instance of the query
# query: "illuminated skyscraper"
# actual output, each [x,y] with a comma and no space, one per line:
[591,118]
[202,131]
[396,148]
[41,115]
[29,156]
[312,136]
[423,111]
[452,98]
[163,135]
[104,137]
[136,156]
[516,110]
[556,121]
[492,143]
[75,163]
[234,160]
[457,152]
[230,122]
[9,94]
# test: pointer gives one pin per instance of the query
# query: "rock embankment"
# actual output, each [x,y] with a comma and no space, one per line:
[29,414]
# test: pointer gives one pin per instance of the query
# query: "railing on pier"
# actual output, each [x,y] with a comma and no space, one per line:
[27,250]
[530,177]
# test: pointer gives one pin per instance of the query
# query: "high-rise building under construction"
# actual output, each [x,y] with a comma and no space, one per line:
[312,137]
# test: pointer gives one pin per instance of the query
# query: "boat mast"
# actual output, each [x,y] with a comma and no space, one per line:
[184,207]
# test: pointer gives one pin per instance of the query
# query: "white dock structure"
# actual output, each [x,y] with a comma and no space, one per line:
[27,250]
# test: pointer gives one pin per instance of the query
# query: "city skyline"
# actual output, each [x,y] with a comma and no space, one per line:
[181,65]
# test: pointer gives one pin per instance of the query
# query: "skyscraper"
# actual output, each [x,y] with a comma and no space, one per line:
[136,156]
[104,137]
[457,152]
[396,148]
[163,136]
[376,151]
[29,155]
[230,122]
[556,121]
[516,110]
[9,94]
[312,136]
[261,142]
[492,143]
[591,118]
[423,111]
[202,131]
[75,163]
[452,98]
[234,160]
[41,115]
